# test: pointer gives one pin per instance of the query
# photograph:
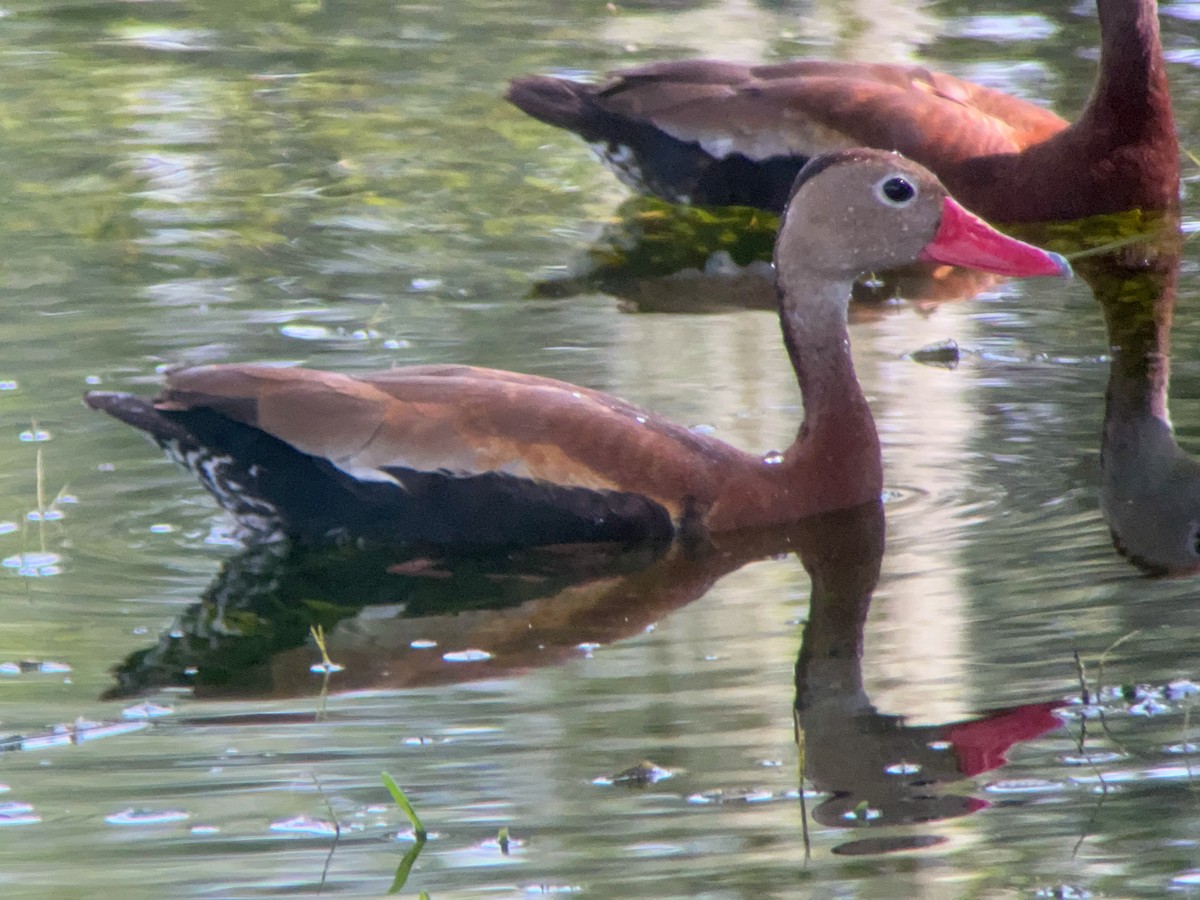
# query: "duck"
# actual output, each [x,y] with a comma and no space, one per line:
[458,455]
[716,133]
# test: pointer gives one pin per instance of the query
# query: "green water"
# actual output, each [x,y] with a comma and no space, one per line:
[340,184]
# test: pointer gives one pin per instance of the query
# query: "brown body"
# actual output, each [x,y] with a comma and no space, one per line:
[716,133]
[465,420]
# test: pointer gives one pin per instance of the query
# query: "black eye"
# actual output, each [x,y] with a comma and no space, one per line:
[896,190]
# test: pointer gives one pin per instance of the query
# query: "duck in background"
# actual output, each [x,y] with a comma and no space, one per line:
[717,133]
[461,455]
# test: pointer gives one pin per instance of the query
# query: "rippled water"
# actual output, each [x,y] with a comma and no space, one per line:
[341,184]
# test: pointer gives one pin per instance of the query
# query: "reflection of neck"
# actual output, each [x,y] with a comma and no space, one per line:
[1138,307]
[1149,487]
[844,568]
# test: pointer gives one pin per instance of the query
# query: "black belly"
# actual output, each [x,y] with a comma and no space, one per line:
[272,487]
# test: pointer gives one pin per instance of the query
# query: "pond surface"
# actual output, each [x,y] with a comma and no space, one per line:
[341,184]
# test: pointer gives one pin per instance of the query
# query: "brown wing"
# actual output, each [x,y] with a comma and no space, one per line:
[813,106]
[465,421]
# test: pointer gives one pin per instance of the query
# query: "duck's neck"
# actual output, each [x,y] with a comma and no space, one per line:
[835,458]
[1120,154]
[1131,92]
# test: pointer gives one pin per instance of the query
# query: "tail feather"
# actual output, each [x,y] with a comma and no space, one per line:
[141,414]
[555,101]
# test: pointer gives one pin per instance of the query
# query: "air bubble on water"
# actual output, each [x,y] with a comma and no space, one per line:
[1091,759]
[1149,707]
[306,332]
[903,768]
[1182,689]
[134,816]
[538,889]
[304,825]
[34,435]
[457,656]
[325,668]
[862,813]
[1023,786]
[18,814]
[34,564]
[146,711]
[161,528]
[49,515]
[423,644]
[772,458]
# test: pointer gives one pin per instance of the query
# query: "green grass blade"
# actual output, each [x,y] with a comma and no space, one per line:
[402,801]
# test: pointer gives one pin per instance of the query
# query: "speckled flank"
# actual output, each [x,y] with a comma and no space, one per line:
[622,160]
[258,520]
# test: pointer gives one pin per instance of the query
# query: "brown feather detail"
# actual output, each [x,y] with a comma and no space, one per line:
[825,106]
[821,114]
[319,413]
[467,421]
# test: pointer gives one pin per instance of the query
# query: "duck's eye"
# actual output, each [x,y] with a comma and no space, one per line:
[896,190]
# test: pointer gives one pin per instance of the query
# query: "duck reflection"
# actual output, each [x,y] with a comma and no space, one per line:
[411,621]
[1149,487]
[877,769]
[659,257]
[421,621]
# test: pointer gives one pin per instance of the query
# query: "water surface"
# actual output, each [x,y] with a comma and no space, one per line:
[340,184]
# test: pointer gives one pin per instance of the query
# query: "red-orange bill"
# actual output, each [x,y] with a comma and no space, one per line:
[964,239]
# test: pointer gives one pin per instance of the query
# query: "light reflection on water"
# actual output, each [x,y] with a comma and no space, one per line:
[344,187]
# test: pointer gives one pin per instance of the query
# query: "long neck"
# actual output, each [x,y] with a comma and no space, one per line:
[836,453]
[1131,92]
[1120,154]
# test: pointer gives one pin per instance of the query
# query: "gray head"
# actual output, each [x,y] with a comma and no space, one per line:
[865,210]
